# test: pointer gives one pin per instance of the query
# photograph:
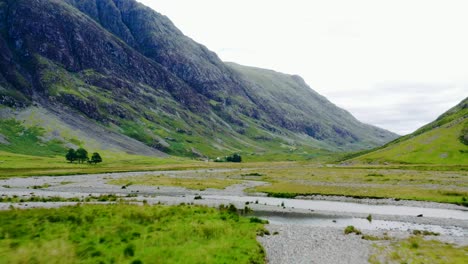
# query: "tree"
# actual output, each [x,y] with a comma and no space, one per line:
[96,158]
[81,155]
[234,158]
[71,155]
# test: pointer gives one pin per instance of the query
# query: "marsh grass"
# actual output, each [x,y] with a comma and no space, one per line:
[124,233]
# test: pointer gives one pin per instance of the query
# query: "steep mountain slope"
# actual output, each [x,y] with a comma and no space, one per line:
[290,98]
[443,141]
[120,66]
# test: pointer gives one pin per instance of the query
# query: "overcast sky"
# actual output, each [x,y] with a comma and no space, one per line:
[397,64]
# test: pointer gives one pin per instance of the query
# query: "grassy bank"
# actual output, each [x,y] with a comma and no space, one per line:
[17,165]
[437,184]
[418,250]
[189,183]
[128,234]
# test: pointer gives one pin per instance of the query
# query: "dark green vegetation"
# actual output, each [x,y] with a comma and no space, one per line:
[128,234]
[119,69]
[16,138]
[95,158]
[443,141]
[81,155]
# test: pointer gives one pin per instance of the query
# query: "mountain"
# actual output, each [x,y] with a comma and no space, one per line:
[443,141]
[114,74]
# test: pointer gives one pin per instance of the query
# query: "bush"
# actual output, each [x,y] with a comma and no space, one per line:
[425,233]
[258,220]
[352,229]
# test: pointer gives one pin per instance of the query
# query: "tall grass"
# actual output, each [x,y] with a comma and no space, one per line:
[128,234]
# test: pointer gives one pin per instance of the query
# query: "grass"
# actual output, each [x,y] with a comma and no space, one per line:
[14,165]
[351,229]
[417,250]
[439,142]
[290,190]
[128,234]
[437,183]
[28,140]
[411,183]
[27,165]
[438,146]
[189,183]
[43,199]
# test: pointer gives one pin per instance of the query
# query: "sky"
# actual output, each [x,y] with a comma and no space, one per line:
[396,64]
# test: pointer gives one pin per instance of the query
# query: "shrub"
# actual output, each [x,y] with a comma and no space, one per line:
[252,174]
[352,229]
[258,220]
[375,175]
[129,251]
[425,233]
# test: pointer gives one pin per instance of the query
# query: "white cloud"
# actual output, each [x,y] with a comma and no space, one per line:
[375,58]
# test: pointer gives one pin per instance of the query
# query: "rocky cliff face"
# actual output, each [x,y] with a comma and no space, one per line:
[128,67]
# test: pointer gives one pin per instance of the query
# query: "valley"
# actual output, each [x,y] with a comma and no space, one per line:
[324,217]
[192,159]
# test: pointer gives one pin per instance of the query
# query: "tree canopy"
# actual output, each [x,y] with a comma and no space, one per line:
[81,155]
[96,158]
[234,158]
[71,155]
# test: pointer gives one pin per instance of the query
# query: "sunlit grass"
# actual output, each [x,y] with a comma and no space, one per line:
[161,180]
[285,189]
[128,234]
[417,250]
[24,165]
[373,182]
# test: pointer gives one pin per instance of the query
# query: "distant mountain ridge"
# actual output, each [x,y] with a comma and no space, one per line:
[443,141]
[130,71]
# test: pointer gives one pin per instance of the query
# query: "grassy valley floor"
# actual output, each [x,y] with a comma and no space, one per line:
[123,233]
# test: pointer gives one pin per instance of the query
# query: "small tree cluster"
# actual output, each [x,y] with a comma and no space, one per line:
[234,158]
[81,155]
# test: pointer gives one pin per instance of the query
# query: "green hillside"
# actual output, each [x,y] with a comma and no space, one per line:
[116,75]
[444,141]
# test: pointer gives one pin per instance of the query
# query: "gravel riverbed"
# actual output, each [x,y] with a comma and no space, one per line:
[298,241]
